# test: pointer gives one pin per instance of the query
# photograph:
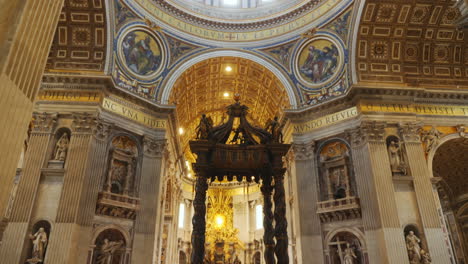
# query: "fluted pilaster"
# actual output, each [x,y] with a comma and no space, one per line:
[150,190]
[310,233]
[26,32]
[35,158]
[424,193]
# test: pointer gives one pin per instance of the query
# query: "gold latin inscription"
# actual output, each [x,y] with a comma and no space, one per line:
[419,109]
[133,114]
[69,96]
[234,36]
[326,120]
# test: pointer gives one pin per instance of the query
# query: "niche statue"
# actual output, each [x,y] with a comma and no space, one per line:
[397,164]
[107,251]
[414,250]
[39,240]
[349,255]
[61,147]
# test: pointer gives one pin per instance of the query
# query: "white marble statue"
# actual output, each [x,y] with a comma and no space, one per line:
[107,251]
[394,155]
[61,147]
[39,240]
[349,255]
[414,250]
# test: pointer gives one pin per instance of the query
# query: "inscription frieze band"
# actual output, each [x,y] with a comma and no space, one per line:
[133,114]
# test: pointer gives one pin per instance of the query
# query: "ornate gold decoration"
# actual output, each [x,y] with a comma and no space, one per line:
[220,222]
[309,34]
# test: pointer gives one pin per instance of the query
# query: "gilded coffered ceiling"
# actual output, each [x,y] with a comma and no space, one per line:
[207,87]
[80,39]
[450,163]
[411,42]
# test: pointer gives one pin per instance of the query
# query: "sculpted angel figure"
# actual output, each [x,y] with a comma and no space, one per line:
[430,138]
[425,258]
[61,147]
[204,127]
[39,240]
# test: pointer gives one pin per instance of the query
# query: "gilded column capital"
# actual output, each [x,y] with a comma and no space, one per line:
[154,147]
[83,123]
[410,132]
[102,129]
[303,151]
[43,123]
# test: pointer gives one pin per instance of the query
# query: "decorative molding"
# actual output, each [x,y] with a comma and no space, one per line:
[102,129]
[461,130]
[83,123]
[43,122]
[410,132]
[304,151]
[154,148]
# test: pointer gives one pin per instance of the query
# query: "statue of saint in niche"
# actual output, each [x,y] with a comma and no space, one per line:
[39,240]
[61,147]
[414,250]
[349,255]
[395,155]
[107,251]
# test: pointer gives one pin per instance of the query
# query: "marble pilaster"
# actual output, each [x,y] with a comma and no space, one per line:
[12,250]
[424,193]
[26,32]
[145,224]
[67,243]
[384,234]
[310,233]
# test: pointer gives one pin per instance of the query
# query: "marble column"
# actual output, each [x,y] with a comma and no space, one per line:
[67,243]
[13,244]
[149,193]
[427,203]
[26,32]
[384,235]
[309,232]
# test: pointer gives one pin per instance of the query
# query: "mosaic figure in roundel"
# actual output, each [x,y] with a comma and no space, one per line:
[318,61]
[141,52]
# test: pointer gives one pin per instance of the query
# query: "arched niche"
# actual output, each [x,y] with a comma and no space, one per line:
[59,149]
[396,155]
[122,166]
[110,247]
[449,168]
[337,179]
[346,246]
[38,238]
[257,258]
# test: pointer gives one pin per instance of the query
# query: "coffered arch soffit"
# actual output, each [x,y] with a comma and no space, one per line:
[201,89]
[413,42]
[81,39]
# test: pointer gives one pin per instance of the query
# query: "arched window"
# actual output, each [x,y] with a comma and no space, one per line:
[259,216]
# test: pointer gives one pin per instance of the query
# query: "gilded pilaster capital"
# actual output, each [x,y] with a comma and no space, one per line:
[83,123]
[102,129]
[410,132]
[303,151]
[154,147]
[43,123]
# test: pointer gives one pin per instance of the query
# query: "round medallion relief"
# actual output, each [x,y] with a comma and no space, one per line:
[319,61]
[140,53]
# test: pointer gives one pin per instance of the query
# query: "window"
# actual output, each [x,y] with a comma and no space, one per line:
[232,3]
[259,216]
[181,215]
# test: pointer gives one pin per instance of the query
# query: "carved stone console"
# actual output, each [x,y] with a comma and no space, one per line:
[117,205]
[339,209]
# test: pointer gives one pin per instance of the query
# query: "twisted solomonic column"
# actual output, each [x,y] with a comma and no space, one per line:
[199,221]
